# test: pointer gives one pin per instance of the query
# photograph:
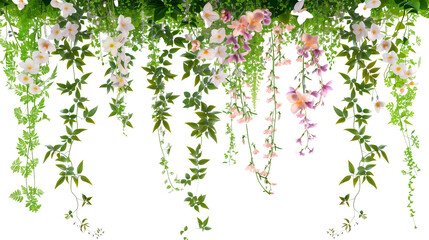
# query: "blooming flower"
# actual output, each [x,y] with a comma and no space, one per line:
[56,3]
[124,24]
[402,90]
[121,39]
[123,61]
[239,26]
[256,151]
[277,30]
[34,89]
[56,33]
[325,88]
[390,57]
[360,31]
[70,30]
[263,173]
[236,57]
[21,3]
[363,10]
[209,15]
[378,105]
[299,101]
[207,53]
[24,79]
[118,81]
[373,4]
[195,45]
[45,45]
[384,46]
[219,78]
[289,27]
[218,35]
[310,42]
[254,19]
[67,9]
[39,57]
[398,69]
[220,52]
[111,46]
[409,73]
[267,17]
[412,84]
[29,66]
[321,69]
[374,33]
[225,15]
[301,12]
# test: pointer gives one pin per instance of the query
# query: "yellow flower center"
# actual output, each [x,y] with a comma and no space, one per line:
[35,88]
[30,67]
[360,29]
[112,45]
[206,52]
[66,8]
[364,8]
[41,57]
[207,14]
[378,104]
[45,45]
[121,80]
[70,29]
[385,45]
[219,36]
[219,52]
[398,69]
[374,32]
[123,24]
[25,78]
[401,90]
[373,2]
[57,32]
[411,83]
[390,57]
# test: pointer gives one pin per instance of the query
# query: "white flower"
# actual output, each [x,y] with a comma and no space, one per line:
[40,57]
[34,89]
[29,66]
[390,58]
[409,73]
[373,4]
[209,15]
[384,46]
[70,31]
[398,69]
[188,37]
[56,3]
[121,38]
[360,31]
[378,105]
[220,52]
[218,78]
[67,9]
[24,79]
[412,84]
[56,33]
[124,24]
[45,45]
[111,46]
[363,10]
[207,53]
[122,57]
[300,12]
[118,81]
[218,35]
[374,33]
[21,3]
[402,90]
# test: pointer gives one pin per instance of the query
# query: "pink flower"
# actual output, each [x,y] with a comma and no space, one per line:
[267,131]
[274,154]
[225,15]
[289,27]
[325,88]
[256,151]
[272,193]
[310,42]
[268,145]
[274,184]
[254,19]
[238,26]
[263,173]
[277,30]
[195,45]
[299,101]
[287,62]
[270,100]
[267,155]
[278,105]
[270,119]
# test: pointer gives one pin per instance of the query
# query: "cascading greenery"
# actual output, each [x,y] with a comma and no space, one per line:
[159,28]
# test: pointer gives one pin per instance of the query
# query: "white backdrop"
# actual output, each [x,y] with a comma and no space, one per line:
[129,197]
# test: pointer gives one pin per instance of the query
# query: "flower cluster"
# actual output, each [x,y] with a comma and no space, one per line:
[66,8]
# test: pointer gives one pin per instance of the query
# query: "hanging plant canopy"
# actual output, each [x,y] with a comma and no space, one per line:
[232,46]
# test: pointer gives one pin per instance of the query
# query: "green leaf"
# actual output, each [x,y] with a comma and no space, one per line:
[60,181]
[351,168]
[338,111]
[80,168]
[345,179]
[85,179]
[371,181]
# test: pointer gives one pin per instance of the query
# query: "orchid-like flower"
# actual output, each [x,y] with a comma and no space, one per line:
[239,26]
[29,66]
[254,19]
[363,10]
[299,101]
[391,58]
[24,79]
[111,46]
[118,81]
[123,61]
[310,42]
[195,45]
[236,57]
[225,15]
[56,33]
[218,78]
[325,88]
[70,30]
[398,69]
[67,9]
[267,17]
[378,105]
[40,57]
[209,15]
[56,3]
[373,4]
[218,35]
[301,12]
[374,33]
[20,3]
[322,69]
[360,31]
[384,46]
[34,89]
[45,45]
[124,24]
[221,52]
[207,53]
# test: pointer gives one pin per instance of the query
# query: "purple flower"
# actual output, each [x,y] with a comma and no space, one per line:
[310,105]
[300,115]
[230,39]
[314,94]
[226,15]
[246,46]
[325,88]
[301,153]
[236,57]
[311,125]
[246,35]
[305,120]
[299,141]
[321,69]
[267,18]
[311,150]
[291,91]
[317,52]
